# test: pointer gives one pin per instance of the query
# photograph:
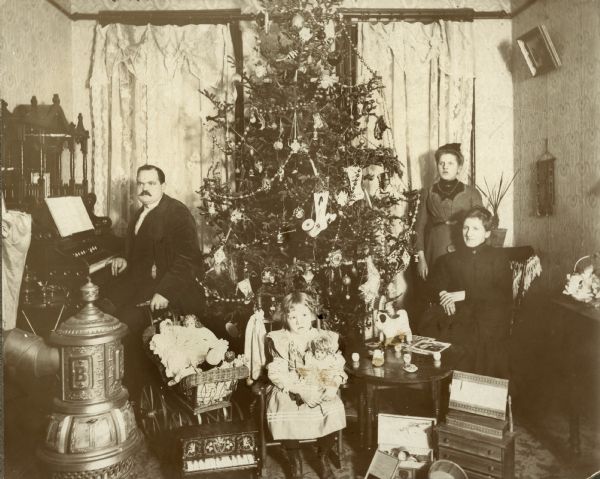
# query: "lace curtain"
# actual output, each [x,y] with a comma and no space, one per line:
[147,107]
[427,71]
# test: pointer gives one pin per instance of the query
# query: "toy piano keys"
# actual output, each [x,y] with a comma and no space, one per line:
[223,447]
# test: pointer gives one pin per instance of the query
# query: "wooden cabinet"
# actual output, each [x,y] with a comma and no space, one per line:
[480,456]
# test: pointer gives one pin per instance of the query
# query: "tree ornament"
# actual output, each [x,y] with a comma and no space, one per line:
[305,34]
[355,177]
[334,58]
[299,213]
[278,145]
[342,198]
[295,146]
[335,258]
[298,21]
[308,276]
[279,237]
[346,280]
[236,78]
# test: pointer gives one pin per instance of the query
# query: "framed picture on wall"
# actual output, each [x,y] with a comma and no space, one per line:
[538,50]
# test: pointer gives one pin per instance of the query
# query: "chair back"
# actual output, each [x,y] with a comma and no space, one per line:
[526,267]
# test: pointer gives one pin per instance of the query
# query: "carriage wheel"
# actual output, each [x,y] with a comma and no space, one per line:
[178,418]
[153,411]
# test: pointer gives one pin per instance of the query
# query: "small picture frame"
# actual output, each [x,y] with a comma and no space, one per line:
[538,50]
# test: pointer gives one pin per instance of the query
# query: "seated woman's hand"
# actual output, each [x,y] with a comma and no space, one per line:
[448,300]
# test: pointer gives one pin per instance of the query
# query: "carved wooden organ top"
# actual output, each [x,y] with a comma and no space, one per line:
[35,141]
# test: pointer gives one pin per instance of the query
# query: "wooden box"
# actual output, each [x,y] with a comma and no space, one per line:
[405,447]
[480,456]
[476,435]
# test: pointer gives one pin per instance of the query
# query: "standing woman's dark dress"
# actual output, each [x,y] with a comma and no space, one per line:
[479,329]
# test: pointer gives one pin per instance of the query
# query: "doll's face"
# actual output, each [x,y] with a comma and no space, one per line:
[299,318]
[448,166]
[320,354]
[474,232]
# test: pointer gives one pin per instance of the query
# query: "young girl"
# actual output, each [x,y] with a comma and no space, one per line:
[296,410]
[472,294]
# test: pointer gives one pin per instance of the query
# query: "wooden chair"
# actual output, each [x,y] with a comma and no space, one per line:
[259,388]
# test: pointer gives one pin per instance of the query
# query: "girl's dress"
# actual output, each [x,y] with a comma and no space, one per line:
[440,216]
[287,415]
[479,329]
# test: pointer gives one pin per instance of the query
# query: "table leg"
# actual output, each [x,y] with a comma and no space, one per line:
[571,381]
[370,394]
[435,395]
[360,410]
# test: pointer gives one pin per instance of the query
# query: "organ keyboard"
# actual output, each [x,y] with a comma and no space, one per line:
[223,447]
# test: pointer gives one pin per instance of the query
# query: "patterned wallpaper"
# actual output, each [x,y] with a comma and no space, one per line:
[564,107]
[35,54]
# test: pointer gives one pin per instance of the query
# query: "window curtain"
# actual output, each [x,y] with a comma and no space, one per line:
[147,107]
[427,71]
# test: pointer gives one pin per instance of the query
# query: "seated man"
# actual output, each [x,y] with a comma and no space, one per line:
[159,267]
[472,294]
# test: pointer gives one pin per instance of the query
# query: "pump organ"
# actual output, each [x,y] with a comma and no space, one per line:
[46,156]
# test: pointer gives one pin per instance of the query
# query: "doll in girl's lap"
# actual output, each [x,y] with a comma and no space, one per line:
[302,400]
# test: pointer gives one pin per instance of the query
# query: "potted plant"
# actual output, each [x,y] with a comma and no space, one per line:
[494,196]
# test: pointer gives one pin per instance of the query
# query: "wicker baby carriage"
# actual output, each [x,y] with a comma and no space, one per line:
[196,399]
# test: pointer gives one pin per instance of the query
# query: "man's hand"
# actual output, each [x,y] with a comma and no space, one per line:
[448,300]
[118,265]
[158,301]
[422,268]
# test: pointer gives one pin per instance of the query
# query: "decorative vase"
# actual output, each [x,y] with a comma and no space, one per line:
[497,237]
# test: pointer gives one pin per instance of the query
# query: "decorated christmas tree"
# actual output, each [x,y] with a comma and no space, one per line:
[317,203]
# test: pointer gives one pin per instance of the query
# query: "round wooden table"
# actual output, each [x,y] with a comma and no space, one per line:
[392,374]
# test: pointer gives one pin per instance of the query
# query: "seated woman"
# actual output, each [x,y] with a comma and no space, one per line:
[297,406]
[472,292]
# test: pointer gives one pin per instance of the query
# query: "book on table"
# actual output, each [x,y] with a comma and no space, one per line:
[425,345]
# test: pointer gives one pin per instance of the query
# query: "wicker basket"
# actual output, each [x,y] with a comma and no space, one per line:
[204,391]
[211,389]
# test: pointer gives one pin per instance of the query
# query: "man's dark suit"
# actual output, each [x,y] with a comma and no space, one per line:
[167,243]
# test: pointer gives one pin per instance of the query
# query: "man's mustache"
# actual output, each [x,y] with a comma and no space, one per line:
[144,193]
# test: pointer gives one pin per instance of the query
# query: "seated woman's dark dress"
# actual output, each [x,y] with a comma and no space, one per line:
[479,329]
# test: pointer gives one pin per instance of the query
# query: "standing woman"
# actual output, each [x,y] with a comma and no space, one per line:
[441,210]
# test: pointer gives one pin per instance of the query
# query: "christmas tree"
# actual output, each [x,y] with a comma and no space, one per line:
[316,194]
